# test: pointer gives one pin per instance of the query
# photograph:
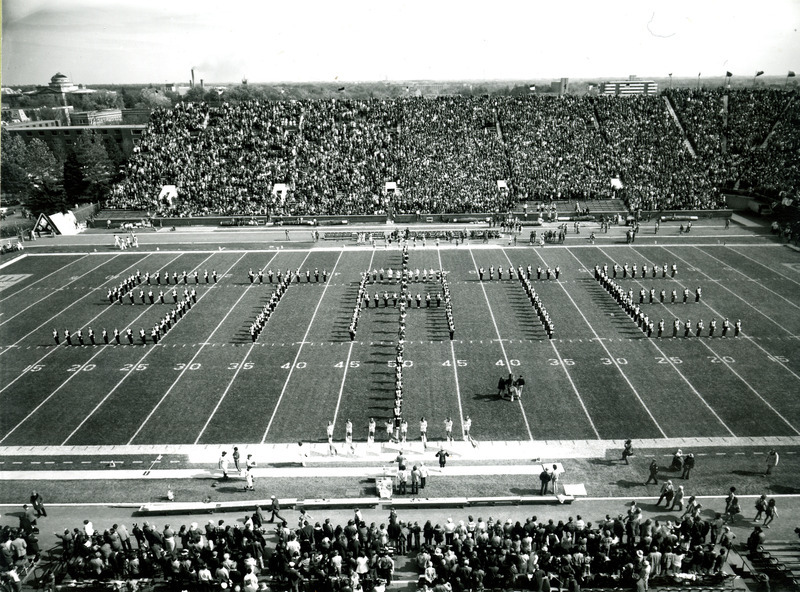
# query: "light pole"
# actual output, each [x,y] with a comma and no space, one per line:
[670,80]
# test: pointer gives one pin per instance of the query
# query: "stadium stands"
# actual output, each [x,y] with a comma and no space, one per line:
[460,554]
[462,154]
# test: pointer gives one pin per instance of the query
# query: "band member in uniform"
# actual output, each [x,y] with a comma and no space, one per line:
[737,327]
[448,429]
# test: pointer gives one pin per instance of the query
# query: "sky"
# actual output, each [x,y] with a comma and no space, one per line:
[158,41]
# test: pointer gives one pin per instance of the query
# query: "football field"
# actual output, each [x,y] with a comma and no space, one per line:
[207,382]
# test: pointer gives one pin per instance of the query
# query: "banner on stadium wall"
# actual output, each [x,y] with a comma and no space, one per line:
[279,190]
[501,184]
[169,193]
[389,188]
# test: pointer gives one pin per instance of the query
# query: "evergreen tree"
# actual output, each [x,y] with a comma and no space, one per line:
[48,197]
[74,181]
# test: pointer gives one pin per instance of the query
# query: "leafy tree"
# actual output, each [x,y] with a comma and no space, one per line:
[151,98]
[42,164]
[95,165]
[195,95]
[13,172]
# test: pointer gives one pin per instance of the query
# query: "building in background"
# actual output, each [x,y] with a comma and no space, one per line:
[632,86]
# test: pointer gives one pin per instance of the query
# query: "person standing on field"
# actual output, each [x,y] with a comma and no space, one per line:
[772,461]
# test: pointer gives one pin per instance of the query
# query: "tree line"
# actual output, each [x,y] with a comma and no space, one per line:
[45,180]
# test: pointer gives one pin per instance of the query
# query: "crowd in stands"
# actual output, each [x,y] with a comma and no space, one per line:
[730,139]
[457,555]
[447,154]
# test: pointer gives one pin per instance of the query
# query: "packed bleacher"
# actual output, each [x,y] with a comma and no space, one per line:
[447,154]
[459,554]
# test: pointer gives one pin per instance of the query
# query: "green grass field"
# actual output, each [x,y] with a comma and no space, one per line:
[206,382]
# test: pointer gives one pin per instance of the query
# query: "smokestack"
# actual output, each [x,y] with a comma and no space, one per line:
[201,84]
[192,78]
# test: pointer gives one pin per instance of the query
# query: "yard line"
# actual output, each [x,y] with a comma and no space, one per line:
[760,285]
[300,349]
[747,384]
[608,353]
[54,349]
[500,341]
[50,396]
[149,351]
[764,266]
[63,384]
[347,362]
[56,290]
[455,365]
[667,358]
[241,364]
[566,372]
[43,278]
[87,295]
[719,283]
[789,370]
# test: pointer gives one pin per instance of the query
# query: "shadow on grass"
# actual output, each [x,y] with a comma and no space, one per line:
[606,462]
[784,489]
[519,491]
[486,397]
[625,483]
[744,473]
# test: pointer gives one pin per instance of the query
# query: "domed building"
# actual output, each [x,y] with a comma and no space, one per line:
[60,84]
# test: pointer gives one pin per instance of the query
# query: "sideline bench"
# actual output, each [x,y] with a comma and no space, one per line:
[337,236]
[210,507]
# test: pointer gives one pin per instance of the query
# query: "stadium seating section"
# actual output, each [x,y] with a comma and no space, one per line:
[678,150]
